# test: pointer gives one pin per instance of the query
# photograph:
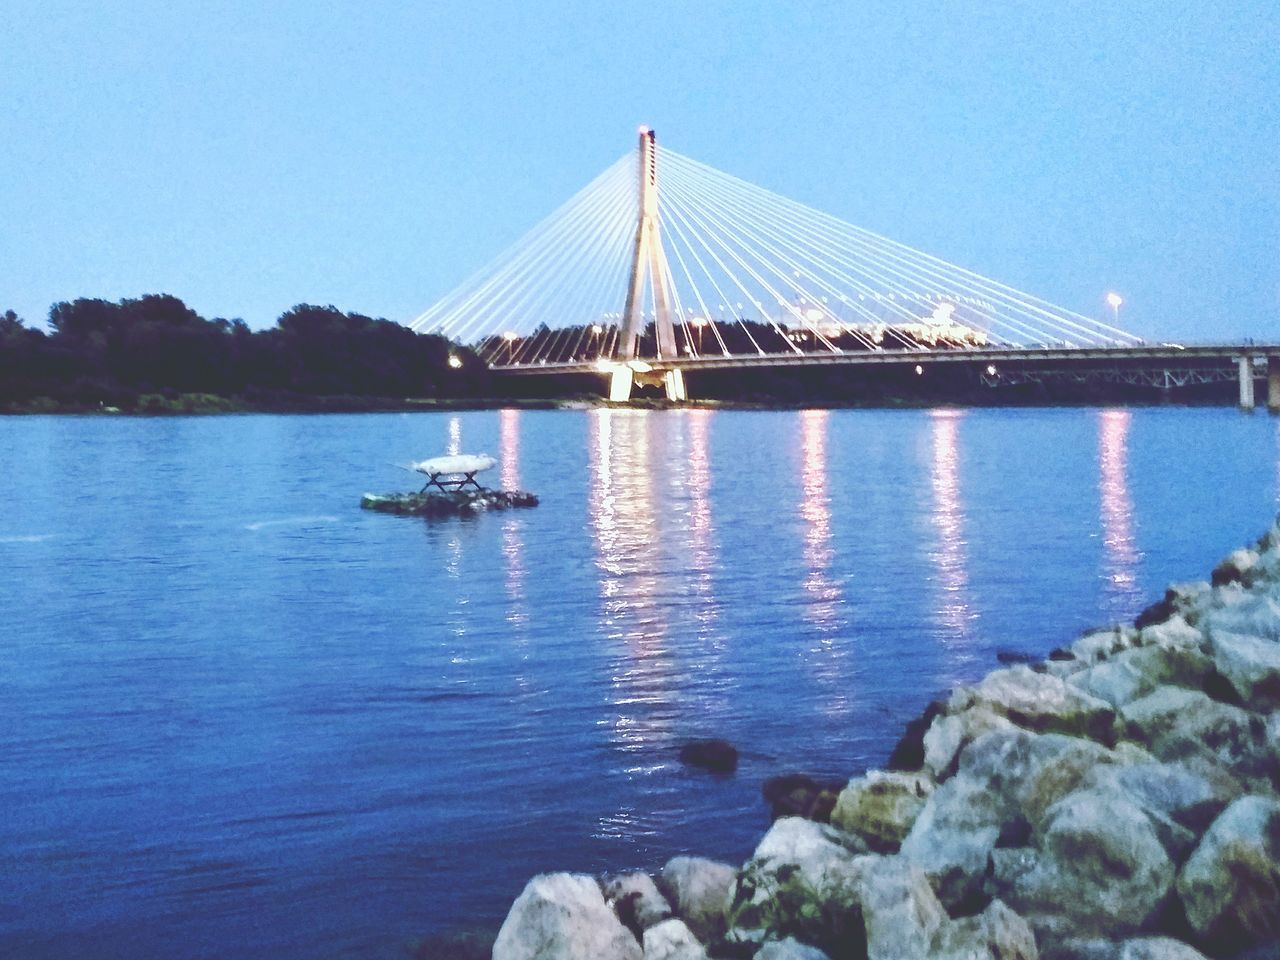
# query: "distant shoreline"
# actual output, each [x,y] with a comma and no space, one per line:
[153,405]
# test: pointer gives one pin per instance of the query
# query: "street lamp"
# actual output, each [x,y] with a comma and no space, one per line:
[511,345]
[1114,300]
[698,324]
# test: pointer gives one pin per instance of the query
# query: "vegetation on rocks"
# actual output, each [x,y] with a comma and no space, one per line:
[1117,801]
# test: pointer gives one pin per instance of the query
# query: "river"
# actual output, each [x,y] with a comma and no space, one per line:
[239,717]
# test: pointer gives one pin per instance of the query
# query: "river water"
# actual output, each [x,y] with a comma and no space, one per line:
[239,717]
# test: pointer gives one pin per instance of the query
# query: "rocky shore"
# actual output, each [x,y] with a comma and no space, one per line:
[449,503]
[1117,801]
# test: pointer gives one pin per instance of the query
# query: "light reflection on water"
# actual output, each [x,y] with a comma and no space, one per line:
[825,598]
[824,605]
[949,554]
[227,728]
[633,619]
[1119,538]
[512,542]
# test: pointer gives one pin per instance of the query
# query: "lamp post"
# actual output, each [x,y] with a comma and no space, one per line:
[1114,300]
[698,324]
[511,345]
[596,330]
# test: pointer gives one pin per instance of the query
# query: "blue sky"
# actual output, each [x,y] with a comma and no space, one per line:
[249,156]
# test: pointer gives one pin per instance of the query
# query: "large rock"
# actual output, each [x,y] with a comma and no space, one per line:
[1235,568]
[950,733]
[699,890]
[1138,948]
[952,839]
[1172,634]
[1251,665]
[1181,599]
[1004,778]
[802,880]
[800,795]
[563,915]
[1134,673]
[672,940]
[636,900]
[1179,725]
[900,913]
[1180,803]
[1158,948]
[1098,645]
[715,755]
[789,948]
[881,807]
[1048,767]
[1040,702]
[1230,887]
[1101,871]
[995,934]
[907,755]
[1249,612]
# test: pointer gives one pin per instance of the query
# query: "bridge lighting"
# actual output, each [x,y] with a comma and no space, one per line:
[814,314]
[455,361]
[597,329]
[699,323]
[942,314]
[991,369]
[919,370]
[1114,300]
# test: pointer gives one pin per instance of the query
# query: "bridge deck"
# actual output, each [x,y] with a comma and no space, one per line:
[1190,354]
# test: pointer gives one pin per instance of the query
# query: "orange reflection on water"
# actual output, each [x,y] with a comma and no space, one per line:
[1119,542]
[625,529]
[950,555]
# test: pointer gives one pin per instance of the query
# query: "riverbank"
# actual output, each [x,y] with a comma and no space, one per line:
[207,404]
[1116,801]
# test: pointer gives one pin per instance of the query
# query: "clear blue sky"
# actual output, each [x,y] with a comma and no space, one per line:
[246,156]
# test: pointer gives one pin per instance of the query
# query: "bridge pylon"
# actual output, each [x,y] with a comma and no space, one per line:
[648,262]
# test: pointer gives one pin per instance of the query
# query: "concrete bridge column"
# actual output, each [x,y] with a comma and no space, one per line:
[1273,384]
[1245,366]
[620,379]
[673,381]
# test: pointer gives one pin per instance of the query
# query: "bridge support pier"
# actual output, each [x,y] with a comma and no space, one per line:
[1245,367]
[1273,384]
[673,383]
[623,380]
[620,382]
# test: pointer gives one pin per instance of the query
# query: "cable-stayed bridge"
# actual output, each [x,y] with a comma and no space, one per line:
[663,266]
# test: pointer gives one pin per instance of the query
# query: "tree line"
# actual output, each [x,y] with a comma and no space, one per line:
[131,352]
